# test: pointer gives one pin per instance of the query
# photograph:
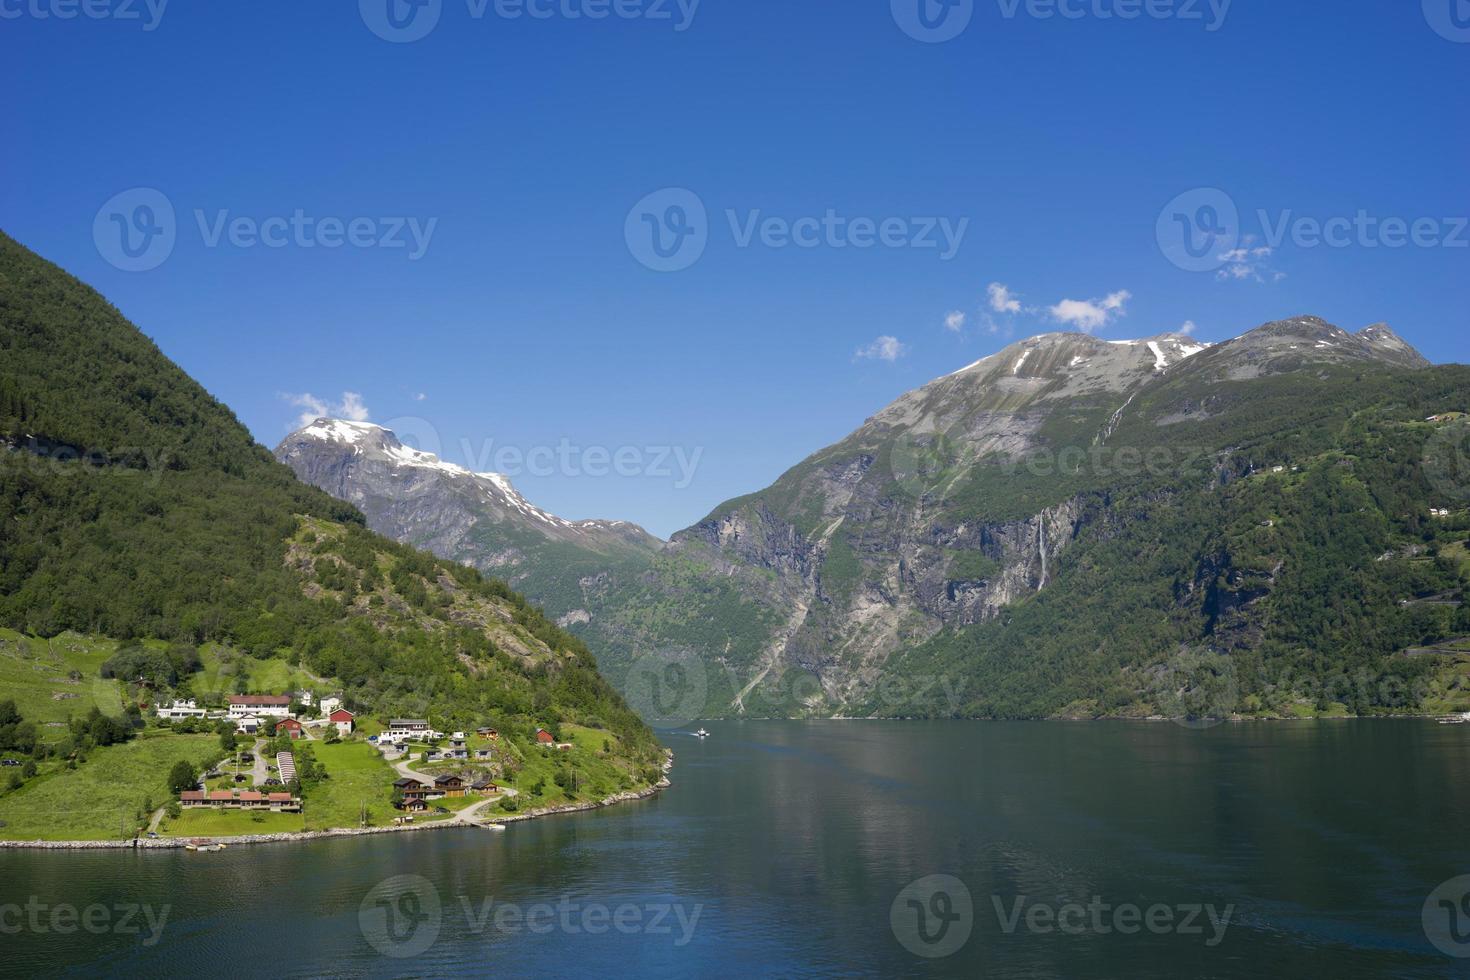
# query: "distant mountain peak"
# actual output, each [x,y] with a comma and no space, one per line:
[416,497]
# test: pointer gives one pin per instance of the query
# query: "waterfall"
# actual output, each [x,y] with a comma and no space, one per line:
[1041,541]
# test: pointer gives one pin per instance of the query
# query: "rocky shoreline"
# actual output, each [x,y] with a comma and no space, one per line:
[177,843]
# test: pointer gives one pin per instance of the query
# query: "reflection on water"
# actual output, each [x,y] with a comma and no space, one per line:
[809,849]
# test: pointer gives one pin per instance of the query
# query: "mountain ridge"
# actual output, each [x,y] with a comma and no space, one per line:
[980,496]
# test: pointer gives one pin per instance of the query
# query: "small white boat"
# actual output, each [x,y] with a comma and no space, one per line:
[701,734]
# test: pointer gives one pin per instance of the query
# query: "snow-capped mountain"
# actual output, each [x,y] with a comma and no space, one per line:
[477,518]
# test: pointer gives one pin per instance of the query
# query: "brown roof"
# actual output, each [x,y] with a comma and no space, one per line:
[341,714]
[280,797]
[251,796]
[288,723]
[221,794]
[192,794]
[259,699]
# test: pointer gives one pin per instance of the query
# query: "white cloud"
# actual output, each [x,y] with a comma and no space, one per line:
[954,322]
[1187,328]
[1088,315]
[420,397]
[351,407]
[1002,300]
[885,348]
[1250,263]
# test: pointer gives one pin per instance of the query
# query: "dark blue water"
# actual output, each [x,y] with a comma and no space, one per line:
[812,849]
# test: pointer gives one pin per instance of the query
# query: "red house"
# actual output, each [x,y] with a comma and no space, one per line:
[342,718]
[544,737]
[289,726]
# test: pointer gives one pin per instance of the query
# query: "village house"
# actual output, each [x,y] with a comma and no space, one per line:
[303,698]
[247,725]
[457,747]
[484,754]
[181,709]
[291,727]
[328,705]
[489,733]
[263,705]
[544,737]
[343,719]
[482,787]
[414,794]
[247,800]
[410,728]
[449,785]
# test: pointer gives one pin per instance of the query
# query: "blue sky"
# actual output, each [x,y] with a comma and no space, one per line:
[521,148]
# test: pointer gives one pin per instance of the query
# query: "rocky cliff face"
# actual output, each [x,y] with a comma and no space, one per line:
[951,508]
[954,504]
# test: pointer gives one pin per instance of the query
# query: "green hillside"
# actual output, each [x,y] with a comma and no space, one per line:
[139,522]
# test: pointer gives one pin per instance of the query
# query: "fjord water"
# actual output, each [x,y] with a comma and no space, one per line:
[782,846]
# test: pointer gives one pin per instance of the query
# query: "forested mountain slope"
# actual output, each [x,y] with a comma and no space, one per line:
[135,505]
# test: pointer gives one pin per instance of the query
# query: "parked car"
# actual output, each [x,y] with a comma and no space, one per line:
[9,762]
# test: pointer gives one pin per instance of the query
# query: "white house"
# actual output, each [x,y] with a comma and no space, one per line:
[247,724]
[304,698]
[328,705]
[405,729]
[181,709]
[271,705]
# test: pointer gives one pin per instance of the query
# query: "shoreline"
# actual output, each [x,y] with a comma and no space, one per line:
[307,836]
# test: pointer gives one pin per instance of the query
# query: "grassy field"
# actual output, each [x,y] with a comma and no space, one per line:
[35,673]
[357,776]
[101,797]
[598,776]
[222,667]
[230,823]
